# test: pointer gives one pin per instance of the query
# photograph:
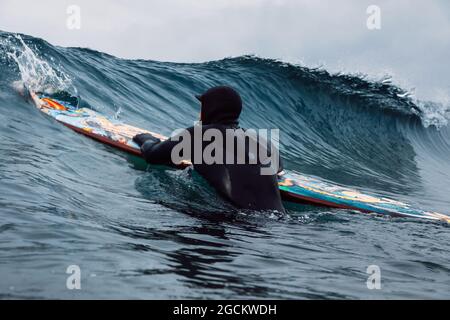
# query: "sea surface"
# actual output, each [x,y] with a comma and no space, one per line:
[155,233]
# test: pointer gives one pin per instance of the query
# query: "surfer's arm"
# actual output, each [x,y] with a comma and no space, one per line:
[159,152]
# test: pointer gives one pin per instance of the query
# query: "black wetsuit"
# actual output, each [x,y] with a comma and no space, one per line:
[242,184]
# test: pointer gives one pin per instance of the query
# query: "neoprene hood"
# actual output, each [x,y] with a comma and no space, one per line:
[220,105]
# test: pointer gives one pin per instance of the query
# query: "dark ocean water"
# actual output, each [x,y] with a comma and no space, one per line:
[138,232]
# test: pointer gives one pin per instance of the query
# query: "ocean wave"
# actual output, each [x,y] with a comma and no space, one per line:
[344,127]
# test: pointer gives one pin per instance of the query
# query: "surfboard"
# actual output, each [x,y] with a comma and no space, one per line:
[293,187]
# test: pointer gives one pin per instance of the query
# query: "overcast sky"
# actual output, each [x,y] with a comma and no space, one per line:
[413,43]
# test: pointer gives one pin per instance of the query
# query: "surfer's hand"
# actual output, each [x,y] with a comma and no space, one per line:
[141,138]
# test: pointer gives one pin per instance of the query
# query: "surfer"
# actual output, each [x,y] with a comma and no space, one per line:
[240,182]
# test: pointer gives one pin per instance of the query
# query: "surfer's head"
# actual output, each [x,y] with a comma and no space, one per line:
[220,105]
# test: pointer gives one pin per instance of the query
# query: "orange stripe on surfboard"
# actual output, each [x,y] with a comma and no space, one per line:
[53,104]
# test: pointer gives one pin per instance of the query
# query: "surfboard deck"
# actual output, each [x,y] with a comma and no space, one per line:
[293,187]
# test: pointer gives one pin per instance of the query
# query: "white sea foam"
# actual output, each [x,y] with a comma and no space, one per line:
[35,73]
[434,113]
